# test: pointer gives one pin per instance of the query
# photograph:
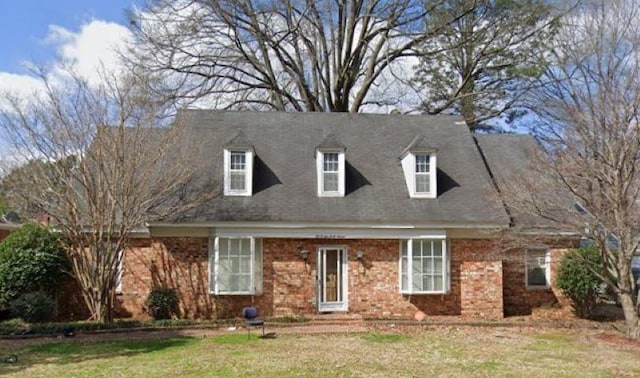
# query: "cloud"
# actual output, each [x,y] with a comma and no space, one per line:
[90,48]
[20,85]
[95,45]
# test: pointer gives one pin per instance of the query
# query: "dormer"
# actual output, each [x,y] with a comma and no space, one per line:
[238,166]
[419,166]
[330,167]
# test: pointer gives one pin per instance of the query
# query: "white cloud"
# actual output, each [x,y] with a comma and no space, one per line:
[20,85]
[90,48]
[95,45]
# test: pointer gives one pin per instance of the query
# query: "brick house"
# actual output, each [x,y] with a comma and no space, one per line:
[376,215]
[6,228]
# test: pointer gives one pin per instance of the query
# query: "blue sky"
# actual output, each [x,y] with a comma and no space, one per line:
[24,26]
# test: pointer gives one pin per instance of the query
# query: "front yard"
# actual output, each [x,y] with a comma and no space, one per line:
[437,351]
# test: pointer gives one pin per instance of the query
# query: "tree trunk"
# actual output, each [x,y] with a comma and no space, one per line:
[631,317]
[101,308]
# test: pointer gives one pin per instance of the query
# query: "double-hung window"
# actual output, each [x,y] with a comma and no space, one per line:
[538,268]
[235,266]
[238,172]
[424,266]
[331,173]
[423,174]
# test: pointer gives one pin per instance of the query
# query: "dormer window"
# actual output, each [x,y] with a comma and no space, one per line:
[330,167]
[238,167]
[423,174]
[330,173]
[418,162]
[238,171]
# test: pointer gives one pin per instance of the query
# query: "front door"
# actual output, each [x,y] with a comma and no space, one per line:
[332,279]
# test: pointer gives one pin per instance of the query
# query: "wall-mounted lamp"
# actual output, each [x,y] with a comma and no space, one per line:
[359,254]
[304,254]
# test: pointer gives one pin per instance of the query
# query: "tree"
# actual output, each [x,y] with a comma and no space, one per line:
[281,55]
[12,183]
[577,280]
[31,259]
[588,181]
[486,57]
[101,173]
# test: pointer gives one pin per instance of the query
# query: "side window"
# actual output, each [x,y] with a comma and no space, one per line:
[537,268]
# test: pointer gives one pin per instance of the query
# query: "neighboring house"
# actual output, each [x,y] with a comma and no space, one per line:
[377,215]
[7,227]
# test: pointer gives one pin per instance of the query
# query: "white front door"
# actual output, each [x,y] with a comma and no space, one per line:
[332,279]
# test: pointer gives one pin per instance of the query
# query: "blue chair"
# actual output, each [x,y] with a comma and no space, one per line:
[250,315]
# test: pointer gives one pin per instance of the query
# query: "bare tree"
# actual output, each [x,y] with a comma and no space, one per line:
[284,55]
[588,124]
[98,169]
[485,57]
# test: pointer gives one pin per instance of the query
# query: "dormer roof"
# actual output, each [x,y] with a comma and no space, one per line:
[331,142]
[419,145]
[240,141]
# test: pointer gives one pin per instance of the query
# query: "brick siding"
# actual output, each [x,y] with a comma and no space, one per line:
[486,280]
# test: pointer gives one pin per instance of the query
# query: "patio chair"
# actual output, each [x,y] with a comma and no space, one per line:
[250,315]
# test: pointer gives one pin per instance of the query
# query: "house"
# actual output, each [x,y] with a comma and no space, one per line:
[376,215]
[8,225]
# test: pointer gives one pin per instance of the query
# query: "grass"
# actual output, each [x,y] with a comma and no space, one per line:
[437,352]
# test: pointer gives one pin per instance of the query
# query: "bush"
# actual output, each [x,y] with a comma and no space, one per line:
[31,259]
[162,303]
[577,280]
[34,307]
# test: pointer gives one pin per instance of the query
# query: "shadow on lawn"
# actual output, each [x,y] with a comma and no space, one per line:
[73,351]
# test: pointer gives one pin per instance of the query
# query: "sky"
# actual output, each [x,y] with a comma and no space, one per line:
[37,32]
[29,28]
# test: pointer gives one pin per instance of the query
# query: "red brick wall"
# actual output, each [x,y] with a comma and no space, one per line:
[518,300]
[481,289]
[290,283]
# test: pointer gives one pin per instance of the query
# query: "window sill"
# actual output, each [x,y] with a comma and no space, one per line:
[538,288]
[424,292]
[237,194]
[423,195]
[235,293]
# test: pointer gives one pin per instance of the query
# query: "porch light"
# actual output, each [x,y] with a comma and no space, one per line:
[304,254]
[359,254]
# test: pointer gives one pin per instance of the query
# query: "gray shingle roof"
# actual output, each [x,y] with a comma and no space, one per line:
[285,187]
[509,157]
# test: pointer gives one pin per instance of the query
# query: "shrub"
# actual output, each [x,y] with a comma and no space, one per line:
[34,307]
[162,303]
[31,259]
[577,280]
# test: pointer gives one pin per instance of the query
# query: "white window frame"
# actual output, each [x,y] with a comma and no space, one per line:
[547,267]
[321,172]
[256,266]
[120,272]
[248,171]
[409,167]
[446,269]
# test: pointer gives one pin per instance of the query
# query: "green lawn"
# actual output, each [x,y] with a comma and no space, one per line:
[424,352]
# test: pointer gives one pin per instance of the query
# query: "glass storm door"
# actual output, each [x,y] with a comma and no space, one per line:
[332,279]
